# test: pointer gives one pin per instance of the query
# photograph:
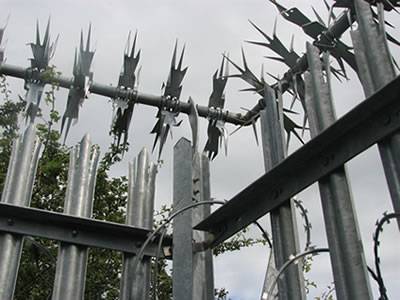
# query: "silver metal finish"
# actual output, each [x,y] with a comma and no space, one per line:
[70,275]
[284,233]
[76,230]
[182,268]
[347,254]
[135,282]
[366,124]
[377,70]
[203,275]
[17,191]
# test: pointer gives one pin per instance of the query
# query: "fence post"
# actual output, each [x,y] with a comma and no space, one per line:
[346,250]
[376,70]
[203,276]
[182,271]
[283,222]
[69,282]
[135,284]
[17,191]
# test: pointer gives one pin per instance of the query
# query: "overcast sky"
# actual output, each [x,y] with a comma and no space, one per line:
[208,28]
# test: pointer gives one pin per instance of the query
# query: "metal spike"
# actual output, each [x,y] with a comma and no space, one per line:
[37,33]
[88,38]
[318,16]
[47,34]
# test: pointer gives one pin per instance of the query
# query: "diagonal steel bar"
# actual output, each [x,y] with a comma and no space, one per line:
[283,223]
[366,124]
[75,230]
[347,254]
[376,66]
[17,191]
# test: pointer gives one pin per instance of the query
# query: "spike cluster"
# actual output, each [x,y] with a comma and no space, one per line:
[81,83]
[216,126]
[318,31]
[42,52]
[123,108]
[168,112]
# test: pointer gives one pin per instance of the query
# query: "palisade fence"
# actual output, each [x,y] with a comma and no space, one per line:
[195,229]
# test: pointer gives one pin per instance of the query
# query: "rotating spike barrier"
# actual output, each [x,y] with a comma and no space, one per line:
[305,86]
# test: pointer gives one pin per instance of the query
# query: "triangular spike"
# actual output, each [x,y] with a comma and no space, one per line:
[274,30]
[226,65]
[81,43]
[47,33]
[262,73]
[244,60]
[37,33]
[75,62]
[260,31]
[318,16]
[173,61]
[134,45]
[221,69]
[259,43]
[235,65]
[181,58]
[128,43]
[88,37]
[275,58]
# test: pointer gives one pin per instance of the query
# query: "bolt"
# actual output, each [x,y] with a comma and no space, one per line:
[10,222]
[74,233]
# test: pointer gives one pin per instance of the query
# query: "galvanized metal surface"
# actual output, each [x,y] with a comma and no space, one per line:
[69,282]
[203,275]
[344,239]
[135,281]
[113,92]
[182,267]
[17,191]
[75,230]
[366,124]
[283,222]
[377,69]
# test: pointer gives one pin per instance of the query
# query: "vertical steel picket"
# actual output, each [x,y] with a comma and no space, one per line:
[347,254]
[376,70]
[69,282]
[135,284]
[17,191]
[203,277]
[283,223]
[182,270]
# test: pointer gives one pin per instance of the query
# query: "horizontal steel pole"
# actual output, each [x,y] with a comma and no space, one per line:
[75,230]
[366,124]
[115,92]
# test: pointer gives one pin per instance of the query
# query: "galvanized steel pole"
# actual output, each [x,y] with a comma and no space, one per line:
[135,282]
[203,273]
[182,264]
[283,222]
[17,191]
[347,254]
[69,283]
[376,70]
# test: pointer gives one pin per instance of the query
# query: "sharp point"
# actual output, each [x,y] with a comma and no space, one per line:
[37,32]
[274,28]
[181,58]
[88,37]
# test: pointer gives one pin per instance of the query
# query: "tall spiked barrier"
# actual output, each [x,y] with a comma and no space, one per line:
[347,254]
[135,281]
[376,70]
[17,191]
[192,272]
[72,259]
[283,223]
